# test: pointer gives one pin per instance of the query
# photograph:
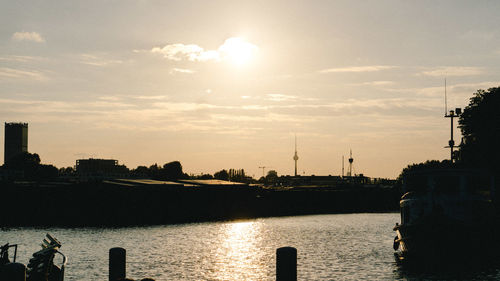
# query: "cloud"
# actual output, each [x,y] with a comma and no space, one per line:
[234,49]
[280,97]
[150,97]
[93,60]
[28,36]
[181,70]
[472,87]
[13,58]
[110,98]
[191,52]
[110,104]
[368,68]
[122,113]
[185,106]
[448,71]
[378,83]
[11,73]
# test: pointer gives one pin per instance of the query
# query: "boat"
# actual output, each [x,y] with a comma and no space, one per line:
[446,214]
[40,267]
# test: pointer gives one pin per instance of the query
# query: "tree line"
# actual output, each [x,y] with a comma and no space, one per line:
[28,166]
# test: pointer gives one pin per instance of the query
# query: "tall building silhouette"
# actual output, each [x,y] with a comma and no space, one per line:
[16,140]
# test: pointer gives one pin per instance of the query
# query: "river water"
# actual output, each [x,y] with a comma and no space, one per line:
[330,247]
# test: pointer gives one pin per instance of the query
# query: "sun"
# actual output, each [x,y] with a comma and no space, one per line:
[238,51]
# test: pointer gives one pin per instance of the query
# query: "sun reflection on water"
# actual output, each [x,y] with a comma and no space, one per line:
[238,256]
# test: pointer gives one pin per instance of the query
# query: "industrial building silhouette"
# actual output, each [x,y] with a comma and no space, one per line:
[16,140]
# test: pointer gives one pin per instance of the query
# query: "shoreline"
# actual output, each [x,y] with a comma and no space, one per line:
[104,205]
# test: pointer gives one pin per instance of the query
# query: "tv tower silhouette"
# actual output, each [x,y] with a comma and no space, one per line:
[295,157]
[350,162]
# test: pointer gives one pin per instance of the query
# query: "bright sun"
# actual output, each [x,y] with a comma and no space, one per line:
[238,51]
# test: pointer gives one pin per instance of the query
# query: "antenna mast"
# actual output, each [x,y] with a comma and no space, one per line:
[452,114]
[445,99]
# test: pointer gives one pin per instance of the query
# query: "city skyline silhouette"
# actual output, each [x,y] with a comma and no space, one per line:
[230,84]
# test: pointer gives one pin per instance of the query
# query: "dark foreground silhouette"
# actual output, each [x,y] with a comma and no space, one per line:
[101,204]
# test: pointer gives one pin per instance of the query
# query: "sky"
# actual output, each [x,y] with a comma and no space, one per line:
[229,84]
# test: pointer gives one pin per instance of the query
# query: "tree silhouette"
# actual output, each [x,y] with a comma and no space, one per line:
[24,160]
[140,172]
[172,171]
[271,177]
[480,126]
[68,171]
[237,175]
[202,177]
[222,175]
[29,164]
[154,171]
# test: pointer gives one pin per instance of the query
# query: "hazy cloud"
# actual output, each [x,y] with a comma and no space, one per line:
[119,113]
[472,87]
[368,68]
[12,73]
[151,97]
[94,60]
[14,58]
[110,98]
[28,36]
[181,70]
[110,104]
[378,83]
[480,35]
[280,97]
[460,92]
[453,71]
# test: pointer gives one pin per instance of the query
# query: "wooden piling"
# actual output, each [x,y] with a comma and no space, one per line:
[117,264]
[286,264]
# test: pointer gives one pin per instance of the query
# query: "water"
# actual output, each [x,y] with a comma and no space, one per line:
[330,247]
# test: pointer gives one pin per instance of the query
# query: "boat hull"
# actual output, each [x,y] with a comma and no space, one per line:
[445,240]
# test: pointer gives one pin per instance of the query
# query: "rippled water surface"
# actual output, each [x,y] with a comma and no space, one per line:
[330,247]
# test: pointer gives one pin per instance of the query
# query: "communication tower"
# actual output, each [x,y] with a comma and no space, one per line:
[295,157]
[350,163]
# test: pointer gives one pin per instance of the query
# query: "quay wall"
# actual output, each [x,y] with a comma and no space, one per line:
[97,204]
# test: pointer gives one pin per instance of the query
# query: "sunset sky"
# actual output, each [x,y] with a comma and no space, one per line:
[228,84]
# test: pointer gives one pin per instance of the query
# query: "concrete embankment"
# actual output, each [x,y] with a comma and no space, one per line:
[99,204]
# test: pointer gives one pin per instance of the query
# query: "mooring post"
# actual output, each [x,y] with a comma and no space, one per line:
[286,264]
[14,272]
[117,264]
